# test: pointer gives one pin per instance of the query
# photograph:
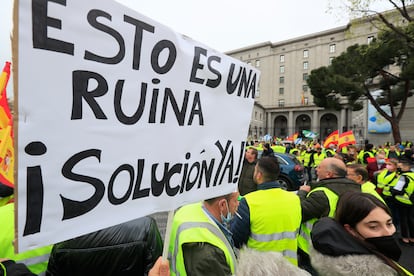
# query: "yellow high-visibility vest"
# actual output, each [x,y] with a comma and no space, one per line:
[36,260]
[191,225]
[275,217]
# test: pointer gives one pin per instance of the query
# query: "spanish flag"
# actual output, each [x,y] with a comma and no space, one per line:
[293,137]
[6,156]
[6,132]
[331,139]
[5,114]
[346,138]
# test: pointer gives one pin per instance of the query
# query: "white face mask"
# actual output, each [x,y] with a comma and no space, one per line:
[226,219]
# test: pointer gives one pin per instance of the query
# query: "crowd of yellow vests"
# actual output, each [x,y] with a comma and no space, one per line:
[351,154]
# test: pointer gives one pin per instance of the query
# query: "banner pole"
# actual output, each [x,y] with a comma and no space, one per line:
[167,235]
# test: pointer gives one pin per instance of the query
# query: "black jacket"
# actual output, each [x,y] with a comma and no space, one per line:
[12,268]
[316,205]
[246,183]
[336,252]
[129,248]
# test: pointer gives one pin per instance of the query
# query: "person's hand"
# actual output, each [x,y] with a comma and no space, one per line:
[160,268]
[305,188]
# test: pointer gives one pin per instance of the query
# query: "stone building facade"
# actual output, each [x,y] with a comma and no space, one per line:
[284,104]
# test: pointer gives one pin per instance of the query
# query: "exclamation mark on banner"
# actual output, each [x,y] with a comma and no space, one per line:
[35,191]
[241,158]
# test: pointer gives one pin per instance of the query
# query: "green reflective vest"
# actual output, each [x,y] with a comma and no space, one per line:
[408,273]
[6,200]
[304,239]
[386,182]
[275,217]
[279,148]
[330,152]
[293,151]
[190,225]
[307,158]
[406,198]
[369,188]
[361,156]
[317,158]
[36,260]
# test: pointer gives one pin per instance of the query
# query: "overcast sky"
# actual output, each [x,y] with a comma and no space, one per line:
[222,24]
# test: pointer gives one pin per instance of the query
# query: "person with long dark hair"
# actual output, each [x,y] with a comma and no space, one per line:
[359,241]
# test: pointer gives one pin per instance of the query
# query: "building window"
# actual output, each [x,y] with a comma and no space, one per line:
[305,53]
[305,65]
[281,103]
[305,88]
[282,58]
[255,115]
[306,100]
[330,60]
[281,90]
[370,39]
[257,62]
[305,76]
[332,48]
[282,80]
[282,69]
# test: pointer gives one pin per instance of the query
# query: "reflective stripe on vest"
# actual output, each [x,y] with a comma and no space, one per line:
[213,229]
[274,236]
[278,236]
[35,260]
[304,239]
[408,273]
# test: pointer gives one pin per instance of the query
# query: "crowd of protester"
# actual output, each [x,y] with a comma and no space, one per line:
[346,221]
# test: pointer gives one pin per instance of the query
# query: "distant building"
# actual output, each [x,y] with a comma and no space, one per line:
[284,104]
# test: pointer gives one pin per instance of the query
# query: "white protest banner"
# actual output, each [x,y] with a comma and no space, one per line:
[119,117]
